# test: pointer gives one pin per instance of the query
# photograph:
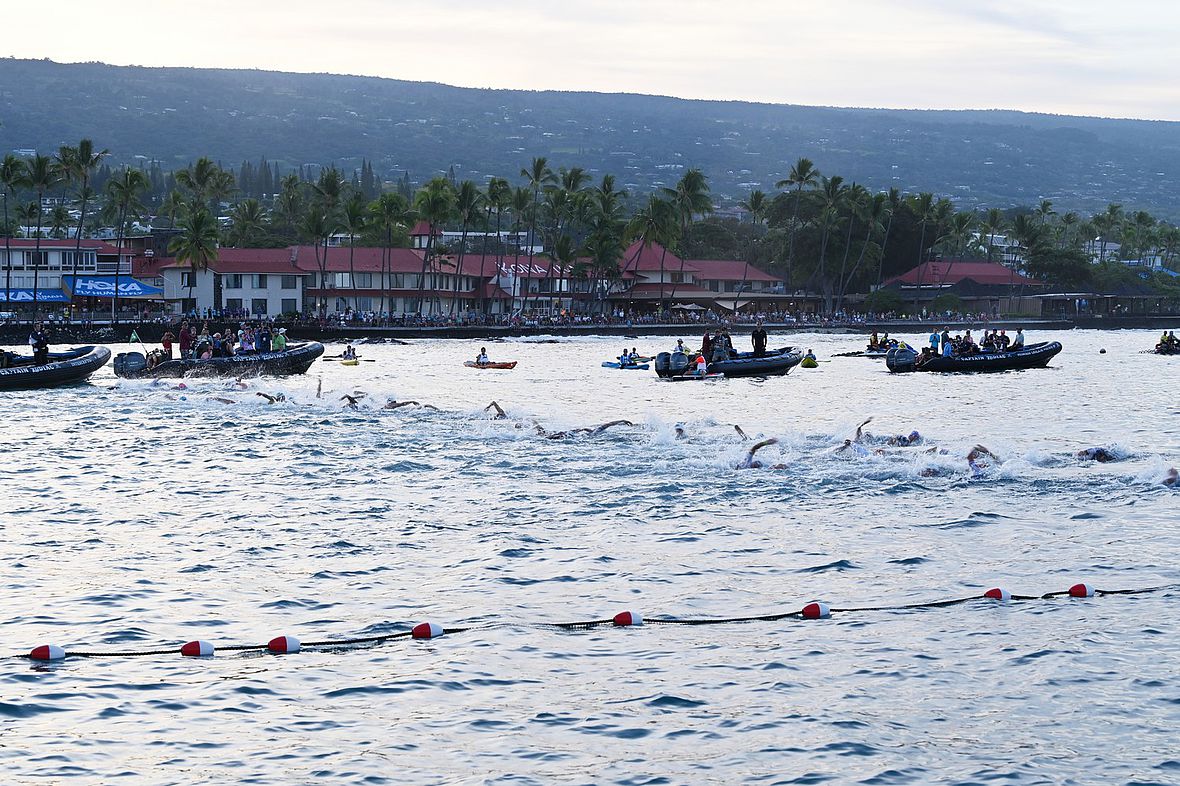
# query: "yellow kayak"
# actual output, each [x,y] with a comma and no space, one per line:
[352,362]
[809,363]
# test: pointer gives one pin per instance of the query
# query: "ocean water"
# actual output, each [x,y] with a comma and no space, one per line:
[141,516]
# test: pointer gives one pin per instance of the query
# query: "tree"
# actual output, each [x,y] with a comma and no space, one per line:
[196,244]
[354,217]
[947,301]
[499,196]
[689,198]
[388,212]
[40,176]
[884,301]
[435,203]
[538,176]
[468,204]
[756,205]
[803,175]
[655,222]
[993,224]
[1068,269]
[12,174]
[247,221]
[923,208]
[124,190]
[82,164]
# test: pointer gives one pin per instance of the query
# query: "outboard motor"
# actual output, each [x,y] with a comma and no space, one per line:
[129,363]
[663,362]
[901,359]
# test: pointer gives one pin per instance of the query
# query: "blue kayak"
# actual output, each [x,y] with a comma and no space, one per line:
[628,367]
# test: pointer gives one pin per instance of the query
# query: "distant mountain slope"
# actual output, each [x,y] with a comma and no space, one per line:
[984,158]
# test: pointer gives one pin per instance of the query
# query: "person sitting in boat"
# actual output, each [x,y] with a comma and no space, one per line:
[1002,341]
[809,356]
[39,341]
[680,345]
[702,365]
[948,349]
[625,358]
[349,353]
[482,358]
[278,342]
[1017,341]
[635,354]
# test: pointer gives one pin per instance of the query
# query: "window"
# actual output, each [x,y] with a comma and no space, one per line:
[233,303]
[363,281]
[39,259]
[364,304]
[188,279]
[339,281]
[258,281]
[258,305]
[290,304]
[87,260]
[233,281]
[289,282]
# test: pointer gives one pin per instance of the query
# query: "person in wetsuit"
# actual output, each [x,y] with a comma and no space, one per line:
[758,337]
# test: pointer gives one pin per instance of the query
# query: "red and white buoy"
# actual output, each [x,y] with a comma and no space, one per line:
[816,611]
[47,652]
[995,593]
[197,649]
[283,644]
[628,619]
[427,630]
[1081,591]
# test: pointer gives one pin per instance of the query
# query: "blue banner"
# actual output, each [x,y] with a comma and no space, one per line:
[26,296]
[104,286]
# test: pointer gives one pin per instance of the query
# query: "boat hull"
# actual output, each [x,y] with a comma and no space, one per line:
[628,367]
[483,366]
[296,359]
[1032,356]
[745,364]
[63,368]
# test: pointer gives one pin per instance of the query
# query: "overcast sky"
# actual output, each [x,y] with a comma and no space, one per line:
[1065,56]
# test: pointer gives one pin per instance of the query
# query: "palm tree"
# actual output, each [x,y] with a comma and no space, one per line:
[756,205]
[124,190]
[655,222]
[993,224]
[893,203]
[247,220]
[468,205]
[197,242]
[59,219]
[923,207]
[961,232]
[499,194]
[355,217]
[520,208]
[171,206]
[538,176]
[316,225]
[689,198]
[388,212]
[40,176]
[874,211]
[856,197]
[12,174]
[84,161]
[803,175]
[832,194]
[435,202]
[1044,210]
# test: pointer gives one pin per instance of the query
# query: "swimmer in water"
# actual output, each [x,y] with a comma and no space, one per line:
[905,440]
[1101,455]
[978,461]
[749,462]
[500,413]
[221,400]
[680,432]
[353,400]
[271,399]
[395,404]
[593,431]
[739,431]
[1171,478]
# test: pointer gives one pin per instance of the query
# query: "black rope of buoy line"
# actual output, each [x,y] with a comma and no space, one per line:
[430,630]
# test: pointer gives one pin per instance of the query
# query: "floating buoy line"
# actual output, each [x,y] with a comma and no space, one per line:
[816,610]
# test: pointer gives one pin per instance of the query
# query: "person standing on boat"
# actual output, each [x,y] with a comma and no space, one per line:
[1017,341]
[758,337]
[262,339]
[934,339]
[40,344]
[279,342]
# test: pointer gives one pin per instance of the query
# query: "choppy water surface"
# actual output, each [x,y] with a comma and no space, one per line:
[140,516]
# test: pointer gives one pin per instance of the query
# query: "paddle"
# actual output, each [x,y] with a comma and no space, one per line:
[360,360]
